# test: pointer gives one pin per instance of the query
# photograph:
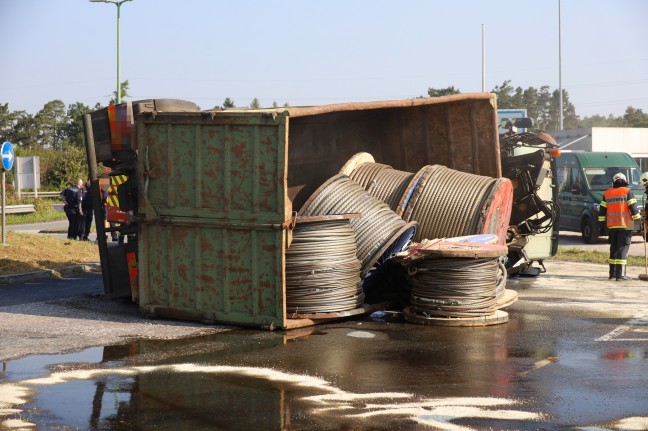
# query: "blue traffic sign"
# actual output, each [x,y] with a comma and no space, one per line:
[7,156]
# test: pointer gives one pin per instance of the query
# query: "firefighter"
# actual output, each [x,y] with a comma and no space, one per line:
[618,212]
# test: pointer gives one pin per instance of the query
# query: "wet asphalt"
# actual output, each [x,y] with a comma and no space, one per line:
[573,355]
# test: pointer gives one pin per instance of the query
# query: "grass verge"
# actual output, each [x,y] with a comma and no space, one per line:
[573,254]
[44,212]
[29,252]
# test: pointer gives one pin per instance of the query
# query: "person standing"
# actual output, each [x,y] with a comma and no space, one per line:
[618,212]
[643,180]
[72,199]
[80,214]
[86,206]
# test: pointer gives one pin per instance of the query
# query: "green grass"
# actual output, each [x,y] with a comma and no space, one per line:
[44,212]
[573,254]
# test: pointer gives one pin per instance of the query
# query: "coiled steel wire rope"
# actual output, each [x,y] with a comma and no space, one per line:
[448,203]
[455,288]
[445,202]
[322,270]
[377,227]
[383,182]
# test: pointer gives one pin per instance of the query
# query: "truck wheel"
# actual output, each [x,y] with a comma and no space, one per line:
[590,230]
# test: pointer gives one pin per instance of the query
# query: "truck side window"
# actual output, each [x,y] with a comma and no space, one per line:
[564,184]
[576,177]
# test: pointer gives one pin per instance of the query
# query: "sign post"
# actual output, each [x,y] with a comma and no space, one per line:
[7,154]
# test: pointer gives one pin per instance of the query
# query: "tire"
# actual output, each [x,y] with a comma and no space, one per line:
[590,230]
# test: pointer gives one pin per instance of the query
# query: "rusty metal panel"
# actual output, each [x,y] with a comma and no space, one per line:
[214,209]
[459,132]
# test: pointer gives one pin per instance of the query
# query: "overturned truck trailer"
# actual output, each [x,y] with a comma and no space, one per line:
[207,199]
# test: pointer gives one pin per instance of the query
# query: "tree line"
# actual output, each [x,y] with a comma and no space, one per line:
[543,106]
[55,133]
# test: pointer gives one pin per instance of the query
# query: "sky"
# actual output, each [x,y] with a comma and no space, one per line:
[307,52]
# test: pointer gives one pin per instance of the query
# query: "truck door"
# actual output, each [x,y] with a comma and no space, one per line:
[568,183]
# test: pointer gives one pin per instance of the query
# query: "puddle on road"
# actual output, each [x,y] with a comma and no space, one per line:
[197,397]
[240,380]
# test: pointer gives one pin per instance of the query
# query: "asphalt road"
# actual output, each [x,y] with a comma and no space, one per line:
[51,289]
[572,356]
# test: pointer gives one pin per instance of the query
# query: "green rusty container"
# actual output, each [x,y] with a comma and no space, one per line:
[217,190]
[214,208]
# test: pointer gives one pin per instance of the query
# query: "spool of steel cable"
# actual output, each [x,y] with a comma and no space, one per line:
[377,229]
[456,282]
[449,203]
[445,202]
[383,182]
[322,270]
[456,288]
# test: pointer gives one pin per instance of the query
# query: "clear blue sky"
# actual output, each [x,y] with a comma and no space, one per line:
[307,52]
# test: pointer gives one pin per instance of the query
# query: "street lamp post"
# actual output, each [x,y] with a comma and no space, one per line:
[118,4]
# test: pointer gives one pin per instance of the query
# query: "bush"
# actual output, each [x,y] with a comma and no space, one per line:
[58,167]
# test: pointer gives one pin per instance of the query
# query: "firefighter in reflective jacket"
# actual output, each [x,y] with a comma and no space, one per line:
[619,211]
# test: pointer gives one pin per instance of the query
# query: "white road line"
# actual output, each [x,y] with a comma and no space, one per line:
[610,335]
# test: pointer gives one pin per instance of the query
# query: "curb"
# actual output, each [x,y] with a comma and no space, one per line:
[66,271]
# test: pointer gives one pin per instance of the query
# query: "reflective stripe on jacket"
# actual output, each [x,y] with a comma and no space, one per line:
[619,208]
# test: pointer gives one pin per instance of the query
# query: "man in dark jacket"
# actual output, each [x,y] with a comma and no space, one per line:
[72,199]
[86,206]
[619,211]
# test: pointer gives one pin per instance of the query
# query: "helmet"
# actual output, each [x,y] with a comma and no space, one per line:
[643,179]
[620,178]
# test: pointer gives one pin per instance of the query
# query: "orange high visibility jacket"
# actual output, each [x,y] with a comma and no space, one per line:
[619,208]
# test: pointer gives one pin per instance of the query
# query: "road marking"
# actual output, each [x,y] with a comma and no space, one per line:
[615,333]
[539,364]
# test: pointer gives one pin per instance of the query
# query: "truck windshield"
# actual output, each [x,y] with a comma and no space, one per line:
[601,178]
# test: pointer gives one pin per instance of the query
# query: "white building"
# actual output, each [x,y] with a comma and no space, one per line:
[631,140]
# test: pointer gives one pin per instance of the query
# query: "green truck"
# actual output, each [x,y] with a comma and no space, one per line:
[582,178]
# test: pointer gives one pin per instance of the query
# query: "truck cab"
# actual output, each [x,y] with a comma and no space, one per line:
[583,177]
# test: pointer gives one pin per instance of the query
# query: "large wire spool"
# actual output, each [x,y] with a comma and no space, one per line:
[377,229]
[457,288]
[322,269]
[449,203]
[383,182]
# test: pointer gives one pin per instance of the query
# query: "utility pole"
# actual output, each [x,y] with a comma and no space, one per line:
[560,108]
[118,4]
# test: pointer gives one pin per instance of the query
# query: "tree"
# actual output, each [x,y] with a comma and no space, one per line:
[49,123]
[8,121]
[635,117]
[433,92]
[73,130]
[542,105]
[255,104]
[124,93]
[24,131]
[228,103]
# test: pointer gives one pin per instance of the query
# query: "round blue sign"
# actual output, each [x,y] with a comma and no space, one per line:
[7,156]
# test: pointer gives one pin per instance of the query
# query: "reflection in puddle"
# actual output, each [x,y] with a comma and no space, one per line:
[191,396]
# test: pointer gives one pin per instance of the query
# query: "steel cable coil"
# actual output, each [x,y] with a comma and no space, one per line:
[377,228]
[456,288]
[383,182]
[448,203]
[445,202]
[322,270]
